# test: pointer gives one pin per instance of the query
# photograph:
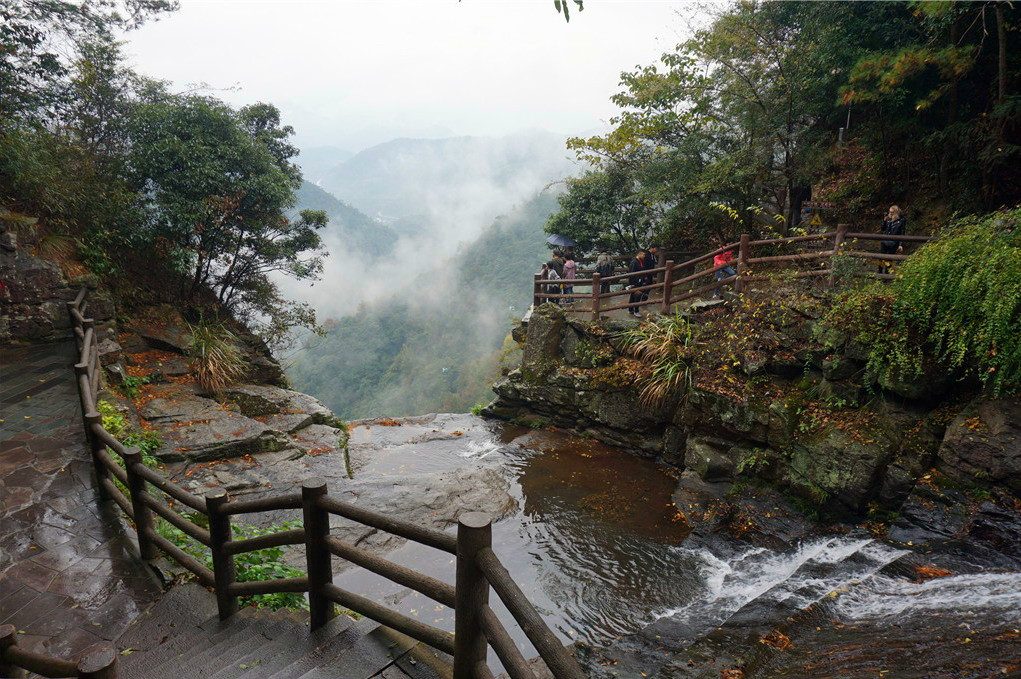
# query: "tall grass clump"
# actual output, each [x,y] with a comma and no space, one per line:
[957,302]
[215,359]
[663,344]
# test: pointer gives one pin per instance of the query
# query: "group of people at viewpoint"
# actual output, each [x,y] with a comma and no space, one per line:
[563,264]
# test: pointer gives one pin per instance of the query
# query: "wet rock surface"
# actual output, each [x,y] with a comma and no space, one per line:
[197,428]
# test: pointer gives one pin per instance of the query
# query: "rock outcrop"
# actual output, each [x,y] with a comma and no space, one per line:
[806,436]
[34,293]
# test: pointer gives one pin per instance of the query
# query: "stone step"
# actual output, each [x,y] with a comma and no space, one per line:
[222,636]
[278,651]
[308,643]
[335,638]
[369,656]
[239,644]
[180,607]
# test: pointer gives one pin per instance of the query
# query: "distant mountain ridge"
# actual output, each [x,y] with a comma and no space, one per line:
[348,226]
[401,177]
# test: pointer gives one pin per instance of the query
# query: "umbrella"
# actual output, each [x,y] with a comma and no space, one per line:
[563,241]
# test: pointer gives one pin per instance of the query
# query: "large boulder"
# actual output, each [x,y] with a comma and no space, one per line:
[929,384]
[839,469]
[286,409]
[983,444]
[542,349]
[196,428]
[721,414]
[711,458]
[161,327]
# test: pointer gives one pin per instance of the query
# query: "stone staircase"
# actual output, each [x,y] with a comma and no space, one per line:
[182,638]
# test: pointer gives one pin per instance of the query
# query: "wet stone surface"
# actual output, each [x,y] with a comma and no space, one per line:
[69,577]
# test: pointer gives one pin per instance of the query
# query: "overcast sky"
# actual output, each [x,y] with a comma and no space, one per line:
[353,73]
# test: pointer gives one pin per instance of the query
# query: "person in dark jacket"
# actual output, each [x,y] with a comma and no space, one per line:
[893,225]
[652,256]
[604,267]
[557,263]
[637,265]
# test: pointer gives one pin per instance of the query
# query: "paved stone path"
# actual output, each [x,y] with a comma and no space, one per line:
[68,574]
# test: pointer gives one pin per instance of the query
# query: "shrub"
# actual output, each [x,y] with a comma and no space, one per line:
[113,421]
[957,301]
[215,359]
[663,345]
[262,564]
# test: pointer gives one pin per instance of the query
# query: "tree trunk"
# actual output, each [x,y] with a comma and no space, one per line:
[1001,34]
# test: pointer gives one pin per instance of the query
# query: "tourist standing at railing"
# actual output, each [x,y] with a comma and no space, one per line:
[604,267]
[570,273]
[556,263]
[726,272]
[893,225]
[553,288]
[636,266]
[652,257]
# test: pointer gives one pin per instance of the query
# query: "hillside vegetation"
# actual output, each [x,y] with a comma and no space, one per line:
[347,225]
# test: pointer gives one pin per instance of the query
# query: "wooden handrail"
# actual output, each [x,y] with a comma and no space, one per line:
[506,650]
[794,239]
[743,263]
[436,590]
[433,636]
[278,539]
[883,236]
[263,504]
[405,529]
[552,651]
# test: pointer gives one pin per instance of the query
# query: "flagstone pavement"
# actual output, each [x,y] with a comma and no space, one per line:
[69,572]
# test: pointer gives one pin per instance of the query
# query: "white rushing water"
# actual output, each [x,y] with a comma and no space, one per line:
[973,592]
[804,575]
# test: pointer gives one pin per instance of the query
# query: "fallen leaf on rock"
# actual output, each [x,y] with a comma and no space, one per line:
[930,573]
[776,640]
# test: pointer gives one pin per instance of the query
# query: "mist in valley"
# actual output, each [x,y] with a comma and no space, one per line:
[433,135]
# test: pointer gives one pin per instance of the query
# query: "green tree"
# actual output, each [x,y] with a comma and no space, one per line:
[602,210]
[218,184]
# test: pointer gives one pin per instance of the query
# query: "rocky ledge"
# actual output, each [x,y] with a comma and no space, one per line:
[790,418]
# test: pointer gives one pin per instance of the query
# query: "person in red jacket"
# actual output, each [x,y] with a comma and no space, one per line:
[726,272]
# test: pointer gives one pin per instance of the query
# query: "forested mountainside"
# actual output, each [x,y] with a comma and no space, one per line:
[350,227]
[438,346]
[406,177]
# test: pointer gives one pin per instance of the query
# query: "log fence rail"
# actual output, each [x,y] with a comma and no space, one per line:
[134,487]
[679,281]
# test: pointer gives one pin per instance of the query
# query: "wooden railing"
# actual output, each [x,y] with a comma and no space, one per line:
[477,568]
[677,282]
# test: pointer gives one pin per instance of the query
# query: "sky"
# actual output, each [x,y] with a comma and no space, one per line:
[350,73]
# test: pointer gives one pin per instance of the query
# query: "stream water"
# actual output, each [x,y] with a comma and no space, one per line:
[595,544]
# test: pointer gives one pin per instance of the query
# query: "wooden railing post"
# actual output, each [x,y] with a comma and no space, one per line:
[95,445]
[8,638]
[224,574]
[668,285]
[98,663]
[838,241]
[471,591]
[317,556]
[536,290]
[742,261]
[596,292]
[143,515]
